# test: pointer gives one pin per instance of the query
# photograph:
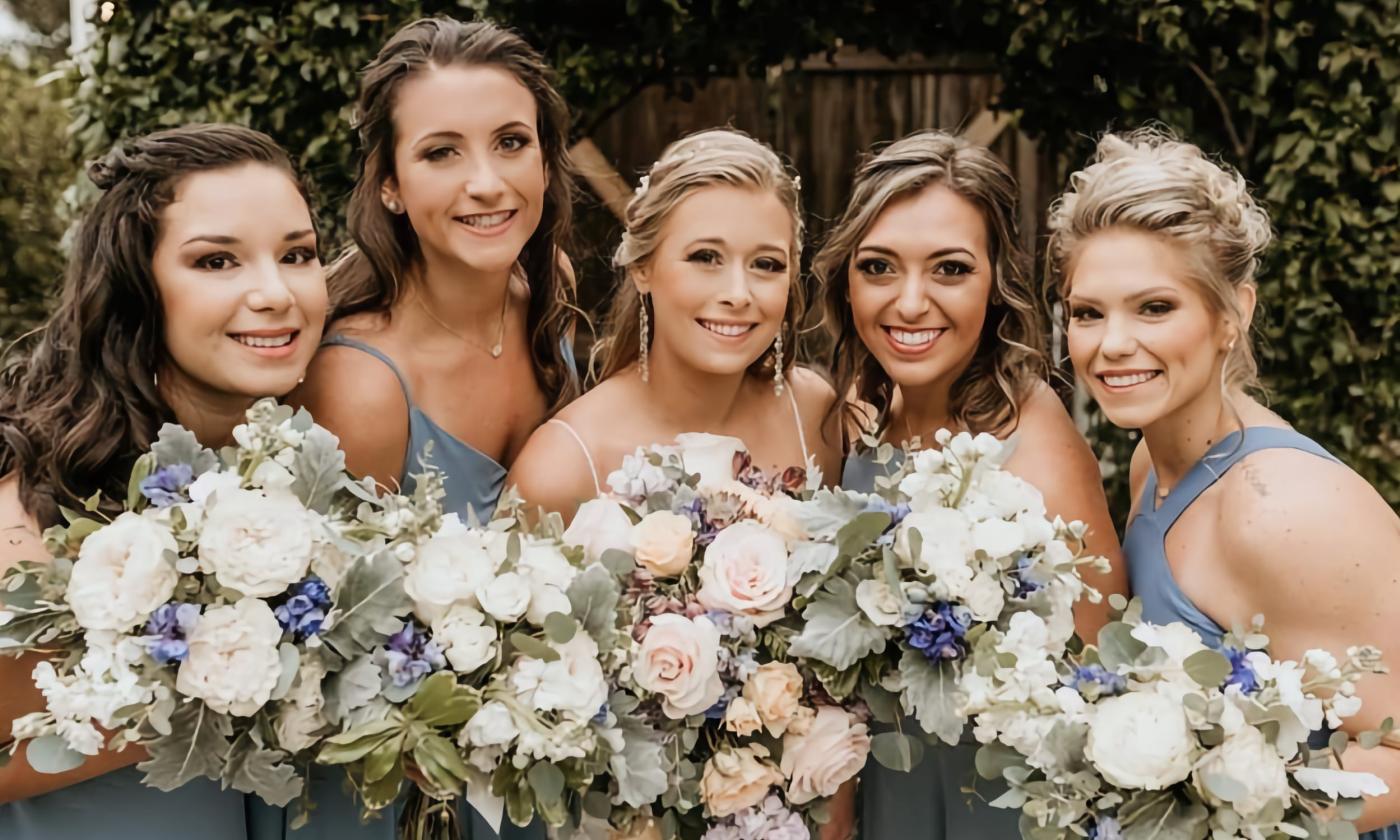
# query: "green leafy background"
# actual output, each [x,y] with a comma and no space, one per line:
[1302,95]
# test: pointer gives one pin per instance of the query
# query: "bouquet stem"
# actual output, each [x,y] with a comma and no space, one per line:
[426,818]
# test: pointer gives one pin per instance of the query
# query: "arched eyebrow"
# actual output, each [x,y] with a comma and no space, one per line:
[220,239]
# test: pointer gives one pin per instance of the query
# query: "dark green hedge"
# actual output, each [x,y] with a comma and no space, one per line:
[1300,94]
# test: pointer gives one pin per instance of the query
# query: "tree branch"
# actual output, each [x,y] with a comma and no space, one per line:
[1240,150]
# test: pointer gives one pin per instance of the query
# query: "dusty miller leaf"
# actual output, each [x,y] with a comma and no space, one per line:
[931,694]
[369,605]
[351,687]
[319,469]
[254,769]
[835,631]
[178,445]
[197,746]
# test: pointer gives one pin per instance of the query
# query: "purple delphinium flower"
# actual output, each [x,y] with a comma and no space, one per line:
[1097,681]
[940,633]
[303,613]
[1105,828]
[1242,674]
[412,655]
[166,486]
[167,630]
[705,530]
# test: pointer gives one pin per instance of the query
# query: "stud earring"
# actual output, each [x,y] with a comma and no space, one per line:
[645,352]
[778,364]
[393,206]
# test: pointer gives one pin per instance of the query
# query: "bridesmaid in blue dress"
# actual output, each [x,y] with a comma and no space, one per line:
[933,326]
[194,288]
[453,314]
[1155,249]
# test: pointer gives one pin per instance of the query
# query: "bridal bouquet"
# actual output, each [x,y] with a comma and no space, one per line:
[1153,734]
[717,732]
[901,590]
[211,621]
[489,677]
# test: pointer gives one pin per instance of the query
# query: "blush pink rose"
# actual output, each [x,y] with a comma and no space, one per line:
[679,660]
[745,571]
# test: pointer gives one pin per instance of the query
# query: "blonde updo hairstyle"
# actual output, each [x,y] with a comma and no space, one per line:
[1148,180]
[715,157]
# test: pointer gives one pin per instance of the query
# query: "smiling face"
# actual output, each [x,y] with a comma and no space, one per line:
[920,281]
[1141,335]
[243,292]
[469,172]
[719,278]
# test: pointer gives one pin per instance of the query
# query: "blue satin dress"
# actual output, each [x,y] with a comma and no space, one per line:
[928,802]
[1144,542]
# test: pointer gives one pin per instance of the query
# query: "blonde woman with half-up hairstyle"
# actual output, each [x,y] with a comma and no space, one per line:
[1154,250]
[702,330]
[924,291]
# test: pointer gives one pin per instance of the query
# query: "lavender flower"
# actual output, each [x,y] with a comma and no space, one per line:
[166,486]
[412,655]
[769,820]
[167,629]
[705,529]
[940,633]
[303,613]
[1242,675]
[1094,681]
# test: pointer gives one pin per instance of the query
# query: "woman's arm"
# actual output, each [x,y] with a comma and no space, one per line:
[1316,550]
[1052,456]
[552,473]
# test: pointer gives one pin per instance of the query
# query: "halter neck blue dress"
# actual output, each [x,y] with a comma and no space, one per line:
[928,802]
[1144,543]
[473,481]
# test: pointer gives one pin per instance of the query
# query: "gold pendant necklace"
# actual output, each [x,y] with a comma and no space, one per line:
[496,348]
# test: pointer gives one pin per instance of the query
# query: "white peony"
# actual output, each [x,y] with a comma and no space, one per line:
[233,663]
[1250,761]
[882,605]
[449,569]
[711,457]
[599,526]
[465,638]
[123,572]
[505,597]
[573,683]
[257,545]
[1141,741]
[998,538]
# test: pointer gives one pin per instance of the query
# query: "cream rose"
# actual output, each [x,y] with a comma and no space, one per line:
[491,726]
[711,457]
[599,526]
[830,753]
[741,717]
[465,638]
[745,572]
[123,572]
[449,569]
[662,543]
[505,597]
[257,545]
[775,690]
[1247,758]
[233,664]
[945,549]
[679,660]
[1141,741]
[737,779]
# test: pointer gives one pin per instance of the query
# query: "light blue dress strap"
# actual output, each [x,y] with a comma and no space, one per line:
[118,805]
[928,802]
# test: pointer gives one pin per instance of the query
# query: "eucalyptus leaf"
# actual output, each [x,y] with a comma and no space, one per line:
[532,647]
[547,780]
[560,628]
[1208,668]
[993,759]
[861,532]
[290,659]
[1117,645]
[897,751]
[51,754]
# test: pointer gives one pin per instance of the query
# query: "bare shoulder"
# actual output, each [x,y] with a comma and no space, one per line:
[1043,422]
[1138,468]
[815,396]
[359,398]
[1052,455]
[553,471]
[20,536]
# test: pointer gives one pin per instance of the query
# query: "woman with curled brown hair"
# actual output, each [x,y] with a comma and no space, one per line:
[924,291]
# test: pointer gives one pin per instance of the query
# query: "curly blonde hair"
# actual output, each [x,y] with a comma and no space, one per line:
[1148,180]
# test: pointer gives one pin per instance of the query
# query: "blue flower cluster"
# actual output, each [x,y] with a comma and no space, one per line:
[166,486]
[1105,828]
[1241,673]
[941,632]
[1094,681]
[302,613]
[1025,587]
[167,630]
[412,655]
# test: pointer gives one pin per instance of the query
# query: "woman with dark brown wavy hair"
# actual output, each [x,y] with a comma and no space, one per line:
[193,289]
[924,290]
[457,287]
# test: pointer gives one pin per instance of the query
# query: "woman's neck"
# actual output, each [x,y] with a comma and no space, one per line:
[918,412]
[1176,441]
[690,400]
[209,414]
[449,292]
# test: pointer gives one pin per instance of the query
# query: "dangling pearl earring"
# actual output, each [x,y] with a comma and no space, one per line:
[645,353]
[778,364]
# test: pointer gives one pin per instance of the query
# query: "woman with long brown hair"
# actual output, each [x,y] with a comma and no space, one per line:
[194,288]
[924,290]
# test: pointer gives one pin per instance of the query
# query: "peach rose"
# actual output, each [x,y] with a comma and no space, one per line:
[679,659]
[742,718]
[745,571]
[737,779]
[830,754]
[775,690]
[662,543]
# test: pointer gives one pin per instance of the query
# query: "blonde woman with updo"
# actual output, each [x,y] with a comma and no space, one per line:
[702,330]
[924,290]
[1154,248]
